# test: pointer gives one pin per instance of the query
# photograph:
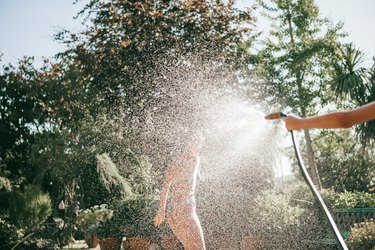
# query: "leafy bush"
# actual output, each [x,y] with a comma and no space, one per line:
[278,221]
[89,219]
[348,199]
[30,208]
[133,216]
[296,220]
[362,236]
[289,220]
[110,177]
[8,235]
[334,199]
[109,228]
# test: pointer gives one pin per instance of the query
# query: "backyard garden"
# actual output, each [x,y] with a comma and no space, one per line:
[85,138]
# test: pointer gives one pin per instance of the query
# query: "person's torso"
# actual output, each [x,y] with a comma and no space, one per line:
[185,180]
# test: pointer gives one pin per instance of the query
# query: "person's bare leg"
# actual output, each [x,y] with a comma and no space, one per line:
[189,235]
[196,241]
[185,225]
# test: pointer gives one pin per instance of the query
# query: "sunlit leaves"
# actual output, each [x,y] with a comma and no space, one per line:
[349,74]
[126,37]
[297,57]
[356,83]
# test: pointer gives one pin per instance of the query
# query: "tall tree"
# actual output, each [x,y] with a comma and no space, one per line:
[40,114]
[296,59]
[133,53]
[126,39]
[21,117]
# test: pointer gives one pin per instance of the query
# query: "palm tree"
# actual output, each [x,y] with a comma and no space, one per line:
[355,83]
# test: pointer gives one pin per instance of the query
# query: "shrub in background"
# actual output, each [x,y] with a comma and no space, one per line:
[8,235]
[89,219]
[334,199]
[30,208]
[135,215]
[345,200]
[294,220]
[277,222]
[362,236]
[348,199]
[110,228]
[131,217]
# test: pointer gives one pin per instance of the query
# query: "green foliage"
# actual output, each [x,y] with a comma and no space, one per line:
[355,83]
[43,112]
[19,110]
[33,121]
[349,199]
[110,178]
[126,38]
[297,57]
[51,156]
[349,74]
[297,216]
[343,163]
[277,220]
[89,219]
[269,202]
[362,235]
[296,61]
[135,215]
[4,205]
[30,208]
[102,157]
[137,169]
[109,229]
[8,235]
[335,199]
[132,217]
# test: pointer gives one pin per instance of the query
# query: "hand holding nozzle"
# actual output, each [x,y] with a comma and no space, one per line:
[278,115]
[291,122]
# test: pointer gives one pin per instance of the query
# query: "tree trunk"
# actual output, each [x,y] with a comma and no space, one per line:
[313,168]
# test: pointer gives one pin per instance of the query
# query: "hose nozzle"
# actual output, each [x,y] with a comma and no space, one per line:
[274,116]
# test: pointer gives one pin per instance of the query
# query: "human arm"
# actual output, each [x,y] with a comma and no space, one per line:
[159,218]
[340,119]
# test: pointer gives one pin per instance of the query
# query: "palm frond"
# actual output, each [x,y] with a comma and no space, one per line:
[350,75]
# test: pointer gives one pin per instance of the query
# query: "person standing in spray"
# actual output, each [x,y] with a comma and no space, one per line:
[181,177]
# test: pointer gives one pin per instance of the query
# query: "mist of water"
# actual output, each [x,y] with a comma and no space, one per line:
[241,154]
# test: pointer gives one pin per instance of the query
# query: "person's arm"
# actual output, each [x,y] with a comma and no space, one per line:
[159,218]
[344,119]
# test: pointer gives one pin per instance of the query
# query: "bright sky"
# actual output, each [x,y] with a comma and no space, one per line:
[27,26]
[358,17]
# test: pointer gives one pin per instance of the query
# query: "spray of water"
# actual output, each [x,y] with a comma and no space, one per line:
[240,150]
[186,96]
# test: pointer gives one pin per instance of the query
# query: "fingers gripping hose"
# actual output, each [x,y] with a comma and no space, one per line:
[313,189]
